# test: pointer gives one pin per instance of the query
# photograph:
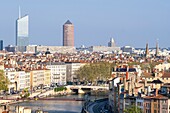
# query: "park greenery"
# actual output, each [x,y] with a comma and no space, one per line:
[133,109]
[25,93]
[62,88]
[95,71]
[3,81]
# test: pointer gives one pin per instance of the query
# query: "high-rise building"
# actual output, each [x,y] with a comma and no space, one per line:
[68,34]
[111,43]
[1,45]
[22,26]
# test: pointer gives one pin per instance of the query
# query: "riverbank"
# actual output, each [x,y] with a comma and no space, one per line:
[95,106]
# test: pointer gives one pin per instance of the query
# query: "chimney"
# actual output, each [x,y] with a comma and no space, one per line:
[114,68]
[132,85]
[127,75]
[145,83]
[124,82]
[127,68]
[148,90]
[128,87]
[37,66]
[146,70]
[156,92]
[42,67]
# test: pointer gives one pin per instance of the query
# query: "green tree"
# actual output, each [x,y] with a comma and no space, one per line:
[25,93]
[3,81]
[133,109]
[95,71]
[60,89]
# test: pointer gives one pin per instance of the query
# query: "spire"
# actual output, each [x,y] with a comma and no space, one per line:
[68,22]
[111,43]
[147,51]
[111,40]
[19,12]
[157,48]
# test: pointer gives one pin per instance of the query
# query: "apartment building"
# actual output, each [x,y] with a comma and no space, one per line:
[58,72]
[72,67]
[36,78]
[21,80]
[47,77]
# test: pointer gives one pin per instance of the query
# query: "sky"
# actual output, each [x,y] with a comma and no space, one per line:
[129,22]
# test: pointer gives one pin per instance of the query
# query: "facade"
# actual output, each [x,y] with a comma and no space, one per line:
[27,79]
[113,94]
[52,49]
[72,67]
[47,77]
[68,34]
[140,102]
[36,78]
[127,49]
[58,72]
[22,33]
[156,104]
[130,101]
[21,80]
[11,48]
[1,45]
[10,74]
[103,49]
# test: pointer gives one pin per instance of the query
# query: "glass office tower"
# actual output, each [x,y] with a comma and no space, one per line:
[22,39]
[1,45]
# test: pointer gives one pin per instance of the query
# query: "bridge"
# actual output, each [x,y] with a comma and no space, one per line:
[80,89]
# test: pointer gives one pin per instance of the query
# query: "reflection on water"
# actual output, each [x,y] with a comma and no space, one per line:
[55,106]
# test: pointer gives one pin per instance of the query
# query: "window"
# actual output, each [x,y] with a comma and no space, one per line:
[155,105]
[155,111]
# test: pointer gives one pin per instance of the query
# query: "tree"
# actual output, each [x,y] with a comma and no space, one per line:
[3,81]
[95,71]
[133,109]
[25,93]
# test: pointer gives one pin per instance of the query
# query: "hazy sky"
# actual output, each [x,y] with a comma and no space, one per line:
[129,22]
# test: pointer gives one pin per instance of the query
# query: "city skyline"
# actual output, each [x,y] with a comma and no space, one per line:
[129,23]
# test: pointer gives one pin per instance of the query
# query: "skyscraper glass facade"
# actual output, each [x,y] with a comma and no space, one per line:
[1,45]
[22,34]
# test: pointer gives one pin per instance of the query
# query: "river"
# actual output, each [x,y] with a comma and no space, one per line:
[55,106]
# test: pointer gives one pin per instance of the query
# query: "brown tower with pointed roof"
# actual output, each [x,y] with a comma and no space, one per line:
[157,49]
[68,34]
[147,51]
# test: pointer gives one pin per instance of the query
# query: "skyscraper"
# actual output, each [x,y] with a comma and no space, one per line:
[68,34]
[22,38]
[1,45]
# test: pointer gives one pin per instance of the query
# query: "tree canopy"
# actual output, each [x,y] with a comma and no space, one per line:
[3,81]
[133,109]
[25,93]
[95,71]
